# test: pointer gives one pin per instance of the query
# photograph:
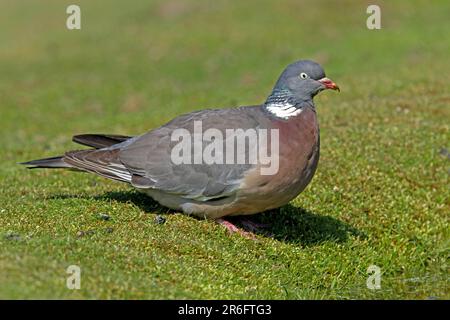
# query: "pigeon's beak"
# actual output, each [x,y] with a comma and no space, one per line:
[329,84]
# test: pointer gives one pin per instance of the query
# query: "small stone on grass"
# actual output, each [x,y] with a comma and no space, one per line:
[12,236]
[104,217]
[160,219]
[82,233]
[109,230]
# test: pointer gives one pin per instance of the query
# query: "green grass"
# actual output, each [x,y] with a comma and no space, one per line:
[380,196]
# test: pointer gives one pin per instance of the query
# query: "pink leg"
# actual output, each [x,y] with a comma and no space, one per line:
[233,229]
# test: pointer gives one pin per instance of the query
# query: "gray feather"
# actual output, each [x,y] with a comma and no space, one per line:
[99,141]
[53,162]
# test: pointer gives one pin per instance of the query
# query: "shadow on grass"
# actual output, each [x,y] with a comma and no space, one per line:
[288,224]
[301,226]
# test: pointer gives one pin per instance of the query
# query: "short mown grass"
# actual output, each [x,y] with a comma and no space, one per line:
[380,195]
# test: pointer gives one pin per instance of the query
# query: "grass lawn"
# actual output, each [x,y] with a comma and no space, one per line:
[381,195]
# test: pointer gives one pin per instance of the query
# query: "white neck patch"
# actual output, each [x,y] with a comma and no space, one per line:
[283,110]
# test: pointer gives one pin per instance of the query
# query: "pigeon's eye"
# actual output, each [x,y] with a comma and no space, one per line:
[303,75]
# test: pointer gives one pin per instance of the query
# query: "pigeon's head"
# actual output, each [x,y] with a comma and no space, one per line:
[299,83]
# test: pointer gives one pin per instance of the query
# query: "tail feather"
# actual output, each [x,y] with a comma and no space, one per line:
[102,160]
[99,141]
[53,162]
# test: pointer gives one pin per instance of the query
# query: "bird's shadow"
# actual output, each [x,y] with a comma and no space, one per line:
[288,224]
[298,225]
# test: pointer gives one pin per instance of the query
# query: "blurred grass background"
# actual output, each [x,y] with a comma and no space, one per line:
[380,196]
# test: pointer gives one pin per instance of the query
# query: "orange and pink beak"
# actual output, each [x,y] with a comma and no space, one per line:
[329,84]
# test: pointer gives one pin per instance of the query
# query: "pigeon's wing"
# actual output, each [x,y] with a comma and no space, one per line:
[148,157]
[99,141]
[103,162]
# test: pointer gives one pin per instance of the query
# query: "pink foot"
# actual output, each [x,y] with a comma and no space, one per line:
[233,229]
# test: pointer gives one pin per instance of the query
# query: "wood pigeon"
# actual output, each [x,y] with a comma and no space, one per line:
[217,189]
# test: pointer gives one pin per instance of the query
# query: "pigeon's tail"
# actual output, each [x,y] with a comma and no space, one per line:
[96,141]
[103,162]
[53,162]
